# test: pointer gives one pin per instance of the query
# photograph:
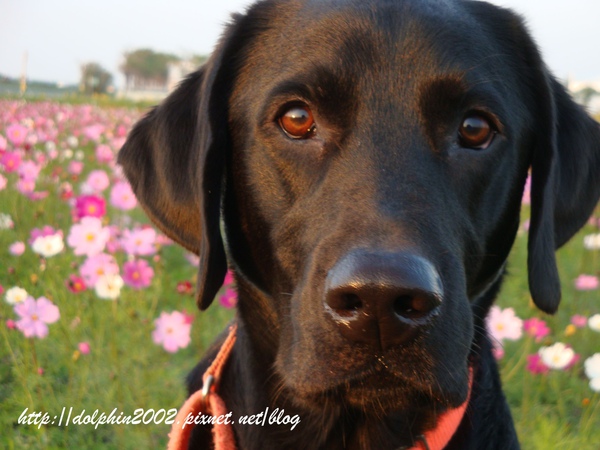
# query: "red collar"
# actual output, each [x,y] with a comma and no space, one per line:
[208,401]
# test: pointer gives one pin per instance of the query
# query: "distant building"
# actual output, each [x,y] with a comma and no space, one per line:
[176,71]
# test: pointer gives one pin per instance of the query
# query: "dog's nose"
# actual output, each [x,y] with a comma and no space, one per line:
[380,298]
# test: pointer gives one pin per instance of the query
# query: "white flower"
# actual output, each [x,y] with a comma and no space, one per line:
[72,141]
[592,241]
[48,246]
[557,356]
[79,155]
[6,222]
[109,286]
[15,295]
[592,366]
[594,322]
[595,384]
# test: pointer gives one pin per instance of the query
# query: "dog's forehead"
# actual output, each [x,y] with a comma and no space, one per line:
[411,39]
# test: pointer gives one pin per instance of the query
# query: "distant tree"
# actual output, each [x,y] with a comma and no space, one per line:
[145,68]
[95,79]
[586,94]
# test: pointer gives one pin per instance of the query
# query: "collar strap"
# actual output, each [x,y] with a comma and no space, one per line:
[208,401]
[447,424]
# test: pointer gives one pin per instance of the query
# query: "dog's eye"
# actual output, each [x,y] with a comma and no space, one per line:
[476,132]
[298,122]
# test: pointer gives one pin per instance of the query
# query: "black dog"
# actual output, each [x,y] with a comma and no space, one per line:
[360,165]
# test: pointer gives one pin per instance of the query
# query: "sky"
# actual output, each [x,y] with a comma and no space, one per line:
[60,35]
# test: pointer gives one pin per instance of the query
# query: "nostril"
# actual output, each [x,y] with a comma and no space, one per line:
[416,306]
[345,303]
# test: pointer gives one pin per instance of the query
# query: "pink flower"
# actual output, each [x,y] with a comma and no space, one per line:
[75,284]
[16,133]
[11,324]
[75,167]
[228,278]
[97,180]
[47,230]
[527,191]
[97,266]
[17,248]
[84,347]
[3,182]
[140,241]
[586,282]
[122,197]
[579,321]
[536,328]
[228,299]
[104,154]
[504,324]
[35,315]
[535,364]
[89,205]
[26,187]
[93,132]
[10,161]
[2,143]
[88,237]
[137,274]
[29,171]
[172,331]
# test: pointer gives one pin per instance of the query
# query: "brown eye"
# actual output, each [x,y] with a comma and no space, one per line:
[476,132]
[298,122]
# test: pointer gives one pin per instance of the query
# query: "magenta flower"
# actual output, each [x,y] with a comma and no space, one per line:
[122,197]
[137,274]
[504,324]
[228,278]
[228,299]
[536,328]
[172,331]
[97,266]
[89,205]
[97,180]
[586,282]
[35,315]
[139,241]
[535,365]
[17,248]
[10,161]
[16,133]
[75,284]
[88,237]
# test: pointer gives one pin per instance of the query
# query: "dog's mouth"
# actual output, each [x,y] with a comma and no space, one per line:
[383,387]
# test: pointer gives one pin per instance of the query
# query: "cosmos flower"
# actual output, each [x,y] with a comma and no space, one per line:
[35,315]
[172,331]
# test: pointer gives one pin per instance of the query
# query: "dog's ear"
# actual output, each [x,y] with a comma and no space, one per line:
[565,156]
[565,185]
[174,159]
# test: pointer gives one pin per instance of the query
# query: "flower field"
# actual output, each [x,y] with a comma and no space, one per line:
[97,310]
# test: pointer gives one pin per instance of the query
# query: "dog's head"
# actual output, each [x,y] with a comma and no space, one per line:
[362,164]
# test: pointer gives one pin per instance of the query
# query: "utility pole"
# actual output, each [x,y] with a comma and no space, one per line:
[23,85]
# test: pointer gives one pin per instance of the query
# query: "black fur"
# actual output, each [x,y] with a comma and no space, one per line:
[389,83]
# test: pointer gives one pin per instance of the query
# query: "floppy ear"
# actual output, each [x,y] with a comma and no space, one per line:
[565,184]
[565,157]
[174,159]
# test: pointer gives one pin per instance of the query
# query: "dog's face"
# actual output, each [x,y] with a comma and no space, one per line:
[367,160]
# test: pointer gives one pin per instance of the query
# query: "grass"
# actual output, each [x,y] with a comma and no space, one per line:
[127,371]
